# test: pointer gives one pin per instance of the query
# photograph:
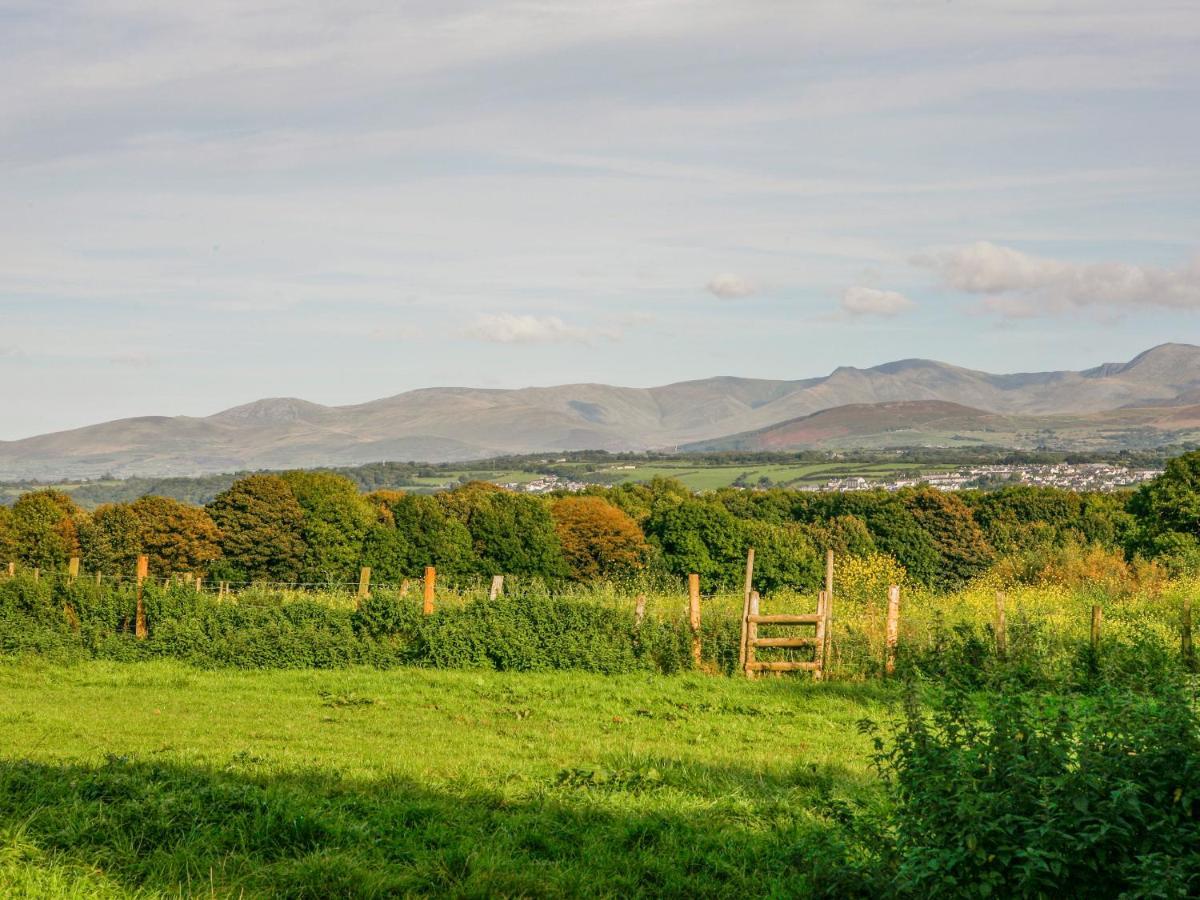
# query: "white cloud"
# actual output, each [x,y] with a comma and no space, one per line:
[1018,284]
[728,286]
[507,328]
[867,301]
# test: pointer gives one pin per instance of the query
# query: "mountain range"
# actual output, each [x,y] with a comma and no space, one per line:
[1150,400]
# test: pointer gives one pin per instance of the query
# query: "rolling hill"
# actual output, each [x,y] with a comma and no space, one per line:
[1151,397]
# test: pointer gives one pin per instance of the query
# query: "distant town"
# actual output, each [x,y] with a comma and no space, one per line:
[1099,477]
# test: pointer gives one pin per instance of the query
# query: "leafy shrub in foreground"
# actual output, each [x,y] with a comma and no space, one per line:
[1033,795]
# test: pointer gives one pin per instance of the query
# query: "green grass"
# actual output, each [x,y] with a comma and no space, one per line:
[158,779]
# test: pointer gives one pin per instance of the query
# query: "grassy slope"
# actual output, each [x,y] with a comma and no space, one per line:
[360,782]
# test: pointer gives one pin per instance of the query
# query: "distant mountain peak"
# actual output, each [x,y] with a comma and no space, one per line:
[271,410]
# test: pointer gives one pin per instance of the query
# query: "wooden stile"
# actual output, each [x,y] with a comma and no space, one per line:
[694,615]
[139,621]
[1001,625]
[751,665]
[364,582]
[430,582]
[497,587]
[892,633]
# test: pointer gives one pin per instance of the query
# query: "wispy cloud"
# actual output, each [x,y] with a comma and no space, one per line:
[1020,285]
[728,286]
[509,328]
[868,301]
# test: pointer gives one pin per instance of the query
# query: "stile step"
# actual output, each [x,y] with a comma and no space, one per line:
[783,666]
[784,642]
[807,619]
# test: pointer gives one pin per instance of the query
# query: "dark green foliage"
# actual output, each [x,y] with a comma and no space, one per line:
[262,530]
[336,520]
[110,540]
[698,535]
[419,534]
[1167,512]
[511,534]
[530,634]
[1035,795]
[963,552]
[785,556]
[528,630]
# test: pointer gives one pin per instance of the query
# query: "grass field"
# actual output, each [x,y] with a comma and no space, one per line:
[158,779]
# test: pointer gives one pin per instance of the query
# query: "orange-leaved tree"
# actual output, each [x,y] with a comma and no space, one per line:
[597,538]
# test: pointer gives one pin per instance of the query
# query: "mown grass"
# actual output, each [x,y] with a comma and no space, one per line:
[157,779]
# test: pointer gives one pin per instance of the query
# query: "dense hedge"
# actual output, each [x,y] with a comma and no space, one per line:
[528,633]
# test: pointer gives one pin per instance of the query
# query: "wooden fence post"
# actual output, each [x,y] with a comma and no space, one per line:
[892,634]
[364,582]
[827,649]
[430,582]
[199,584]
[819,640]
[497,587]
[98,577]
[37,574]
[1001,625]
[73,568]
[639,611]
[751,634]
[12,569]
[1096,616]
[694,616]
[139,621]
[1188,651]
[223,590]
[747,588]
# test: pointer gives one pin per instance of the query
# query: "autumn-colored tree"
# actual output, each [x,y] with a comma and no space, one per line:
[336,519]
[175,536]
[111,540]
[381,501]
[597,538]
[262,530]
[46,524]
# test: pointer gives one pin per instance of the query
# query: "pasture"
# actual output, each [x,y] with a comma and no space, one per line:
[158,779]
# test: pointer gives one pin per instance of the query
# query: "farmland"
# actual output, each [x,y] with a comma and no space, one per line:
[365,783]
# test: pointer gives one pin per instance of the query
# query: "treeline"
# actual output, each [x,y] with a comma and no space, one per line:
[319,527]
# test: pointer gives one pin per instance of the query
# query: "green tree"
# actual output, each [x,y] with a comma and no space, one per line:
[511,534]
[963,551]
[417,533]
[46,524]
[336,520]
[1166,512]
[698,535]
[784,556]
[175,536]
[262,530]
[111,540]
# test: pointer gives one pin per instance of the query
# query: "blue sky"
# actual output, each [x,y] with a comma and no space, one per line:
[205,204]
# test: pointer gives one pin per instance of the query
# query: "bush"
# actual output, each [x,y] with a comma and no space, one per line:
[1035,795]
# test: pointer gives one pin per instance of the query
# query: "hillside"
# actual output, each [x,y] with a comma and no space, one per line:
[455,423]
